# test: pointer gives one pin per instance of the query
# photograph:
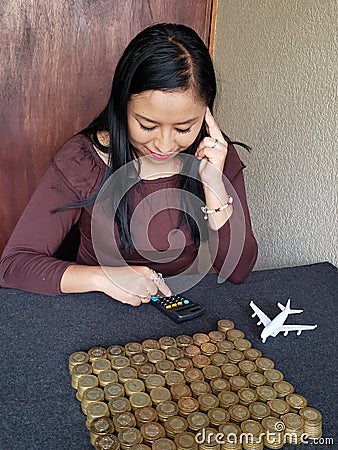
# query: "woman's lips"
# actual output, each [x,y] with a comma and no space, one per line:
[160,157]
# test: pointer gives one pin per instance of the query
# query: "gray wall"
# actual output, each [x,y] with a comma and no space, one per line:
[276,62]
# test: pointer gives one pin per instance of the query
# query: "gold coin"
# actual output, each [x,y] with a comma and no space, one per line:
[106,377]
[283,388]
[124,420]
[234,334]
[193,374]
[263,363]
[180,390]
[218,359]
[97,353]
[132,348]
[278,407]
[138,359]
[200,361]
[173,353]
[229,370]
[132,386]
[139,400]
[239,413]
[151,431]
[219,384]
[146,414]
[155,356]
[191,350]
[113,390]
[273,376]
[217,416]
[166,410]
[293,421]
[130,436]
[174,377]
[187,405]
[200,338]
[246,367]
[252,354]
[296,401]
[185,440]
[238,382]
[198,420]
[210,372]
[163,367]
[119,362]
[163,444]
[184,340]
[225,346]
[225,325]
[208,401]
[160,394]
[115,350]
[259,410]
[242,344]
[266,393]
[166,342]
[310,415]
[183,364]
[256,379]
[154,380]
[208,348]
[227,399]
[146,369]
[150,344]
[119,405]
[216,336]
[200,387]
[247,395]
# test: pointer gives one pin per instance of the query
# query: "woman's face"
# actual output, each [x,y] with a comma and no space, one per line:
[162,124]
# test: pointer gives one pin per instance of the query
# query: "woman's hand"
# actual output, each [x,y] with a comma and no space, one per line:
[212,152]
[132,284]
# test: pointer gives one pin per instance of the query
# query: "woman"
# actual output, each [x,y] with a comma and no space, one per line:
[158,129]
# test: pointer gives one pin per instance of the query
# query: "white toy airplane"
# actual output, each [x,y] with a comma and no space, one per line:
[276,325]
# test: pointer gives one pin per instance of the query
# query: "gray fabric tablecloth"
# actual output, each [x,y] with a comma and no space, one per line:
[38,333]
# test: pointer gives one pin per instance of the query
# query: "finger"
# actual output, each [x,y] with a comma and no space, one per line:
[212,126]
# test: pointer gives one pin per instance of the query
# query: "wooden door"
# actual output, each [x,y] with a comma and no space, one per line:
[57,63]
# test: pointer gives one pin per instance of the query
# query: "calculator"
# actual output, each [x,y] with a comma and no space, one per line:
[177,308]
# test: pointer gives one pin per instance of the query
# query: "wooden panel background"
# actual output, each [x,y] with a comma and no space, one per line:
[57,62]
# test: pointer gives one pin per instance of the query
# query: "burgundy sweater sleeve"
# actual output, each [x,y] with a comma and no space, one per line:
[27,261]
[233,247]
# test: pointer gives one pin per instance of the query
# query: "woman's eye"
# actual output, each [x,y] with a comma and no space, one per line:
[146,128]
[187,130]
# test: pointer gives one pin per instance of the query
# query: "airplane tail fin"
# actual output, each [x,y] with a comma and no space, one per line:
[292,311]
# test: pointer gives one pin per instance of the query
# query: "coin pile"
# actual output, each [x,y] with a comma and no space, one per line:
[207,391]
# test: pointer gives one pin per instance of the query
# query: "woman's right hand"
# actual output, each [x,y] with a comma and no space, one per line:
[133,285]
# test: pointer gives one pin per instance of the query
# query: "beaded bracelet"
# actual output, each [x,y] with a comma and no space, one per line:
[220,208]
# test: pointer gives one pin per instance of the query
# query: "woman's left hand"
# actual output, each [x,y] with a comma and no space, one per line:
[212,152]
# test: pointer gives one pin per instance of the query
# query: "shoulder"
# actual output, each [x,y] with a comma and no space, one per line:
[79,165]
[233,163]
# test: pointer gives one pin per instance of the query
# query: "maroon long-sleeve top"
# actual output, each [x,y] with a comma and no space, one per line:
[76,172]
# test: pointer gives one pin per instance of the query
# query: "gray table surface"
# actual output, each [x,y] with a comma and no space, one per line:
[38,333]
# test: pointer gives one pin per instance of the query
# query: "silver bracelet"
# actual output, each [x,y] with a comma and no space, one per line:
[220,208]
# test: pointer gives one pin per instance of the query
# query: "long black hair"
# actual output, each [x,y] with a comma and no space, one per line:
[165,57]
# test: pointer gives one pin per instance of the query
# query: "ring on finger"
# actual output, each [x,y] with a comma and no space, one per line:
[215,143]
[157,278]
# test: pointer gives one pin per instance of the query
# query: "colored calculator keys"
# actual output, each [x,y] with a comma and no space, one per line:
[177,308]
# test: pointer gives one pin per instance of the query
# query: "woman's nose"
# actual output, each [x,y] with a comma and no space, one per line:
[165,144]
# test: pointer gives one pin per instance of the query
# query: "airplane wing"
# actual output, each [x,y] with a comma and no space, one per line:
[263,318]
[298,328]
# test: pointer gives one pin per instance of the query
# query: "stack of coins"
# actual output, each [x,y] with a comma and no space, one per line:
[185,441]
[159,394]
[252,432]
[231,436]
[124,420]
[152,431]
[107,442]
[312,422]
[162,444]
[100,427]
[174,425]
[294,428]
[273,432]
[129,437]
